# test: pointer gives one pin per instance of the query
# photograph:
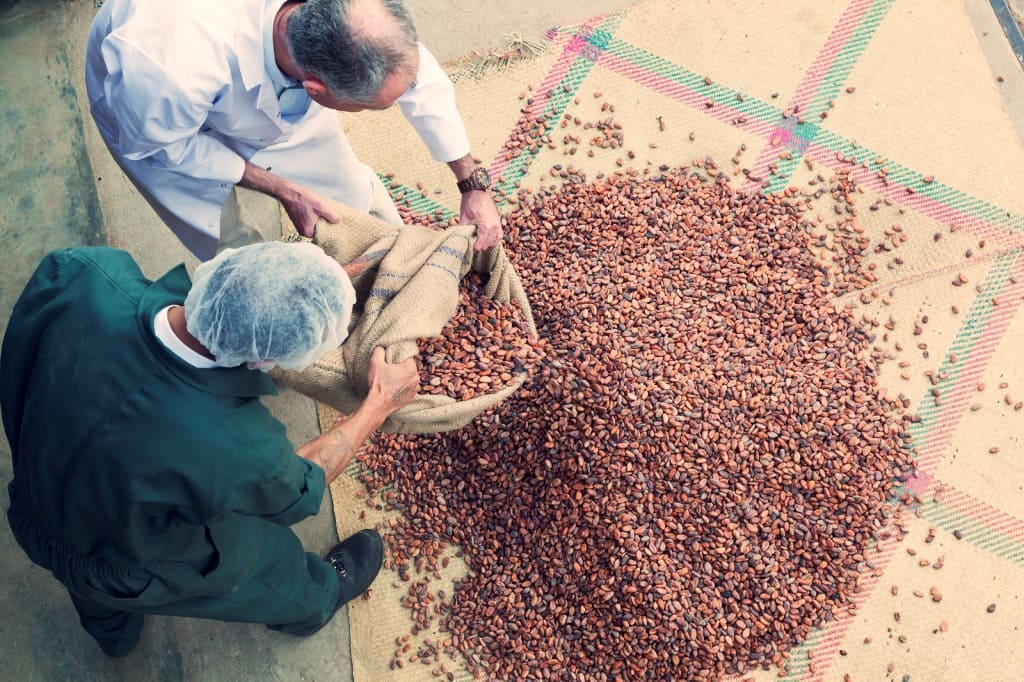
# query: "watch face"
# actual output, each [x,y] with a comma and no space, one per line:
[479,179]
[482,177]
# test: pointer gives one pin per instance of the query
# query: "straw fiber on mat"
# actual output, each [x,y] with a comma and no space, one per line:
[898,94]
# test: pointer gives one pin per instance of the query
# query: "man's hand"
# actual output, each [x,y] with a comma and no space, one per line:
[478,208]
[392,387]
[303,206]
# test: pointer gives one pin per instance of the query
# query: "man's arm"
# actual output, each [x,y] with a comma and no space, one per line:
[157,118]
[164,126]
[333,451]
[303,205]
[478,207]
[392,387]
[430,107]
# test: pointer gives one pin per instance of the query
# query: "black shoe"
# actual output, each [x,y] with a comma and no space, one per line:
[120,643]
[357,560]
[116,649]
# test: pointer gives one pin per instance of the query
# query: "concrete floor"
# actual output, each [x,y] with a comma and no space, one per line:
[59,188]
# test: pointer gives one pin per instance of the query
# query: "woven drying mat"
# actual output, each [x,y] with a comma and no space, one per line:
[898,93]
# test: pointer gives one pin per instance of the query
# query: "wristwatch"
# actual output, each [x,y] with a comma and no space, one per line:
[478,179]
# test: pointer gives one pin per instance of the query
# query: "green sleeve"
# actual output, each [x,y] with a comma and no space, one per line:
[290,488]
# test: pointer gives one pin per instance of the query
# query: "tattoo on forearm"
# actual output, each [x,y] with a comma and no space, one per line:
[334,454]
[400,395]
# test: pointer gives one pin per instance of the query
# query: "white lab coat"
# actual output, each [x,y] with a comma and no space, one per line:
[182,98]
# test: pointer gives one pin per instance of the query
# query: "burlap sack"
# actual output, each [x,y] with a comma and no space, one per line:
[407,288]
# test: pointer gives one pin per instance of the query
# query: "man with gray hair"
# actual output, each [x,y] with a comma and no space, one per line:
[148,477]
[195,97]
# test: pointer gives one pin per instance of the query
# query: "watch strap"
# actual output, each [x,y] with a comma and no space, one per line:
[479,179]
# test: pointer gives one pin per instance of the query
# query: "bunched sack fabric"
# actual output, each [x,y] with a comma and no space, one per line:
[407,283]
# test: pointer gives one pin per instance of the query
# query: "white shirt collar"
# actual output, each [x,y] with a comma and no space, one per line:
[163,331]
[277,76]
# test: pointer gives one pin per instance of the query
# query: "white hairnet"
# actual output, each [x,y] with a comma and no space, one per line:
[272,303]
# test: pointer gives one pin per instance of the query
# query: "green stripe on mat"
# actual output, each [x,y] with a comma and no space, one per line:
[852,50]
[403,195]
[943,194]
[974,531]
[936,513]
[965,341]
[799,661]
[561,95]
[833,80]
[720,94]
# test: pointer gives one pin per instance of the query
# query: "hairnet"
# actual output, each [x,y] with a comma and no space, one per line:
[273,303]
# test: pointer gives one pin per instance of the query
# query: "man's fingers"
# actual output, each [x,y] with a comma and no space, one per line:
[330,215]
[412,366]
[485,240]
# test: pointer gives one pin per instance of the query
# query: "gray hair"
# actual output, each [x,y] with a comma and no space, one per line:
[353,64]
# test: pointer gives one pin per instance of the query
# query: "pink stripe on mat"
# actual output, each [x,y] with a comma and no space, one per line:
[841,33]
[951,498]
[574,44]
[832,638]
[812,81]
[853,297]
[681,93]
[993,519]
[927,206]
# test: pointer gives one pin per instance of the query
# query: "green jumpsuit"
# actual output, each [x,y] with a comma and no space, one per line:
[144,484]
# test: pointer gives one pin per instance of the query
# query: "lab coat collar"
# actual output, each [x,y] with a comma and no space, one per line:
[277,77]
[239,382]
[250,36]
[249,48]
[250,39]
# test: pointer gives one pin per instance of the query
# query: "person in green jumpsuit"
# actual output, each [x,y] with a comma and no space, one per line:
[148,476]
